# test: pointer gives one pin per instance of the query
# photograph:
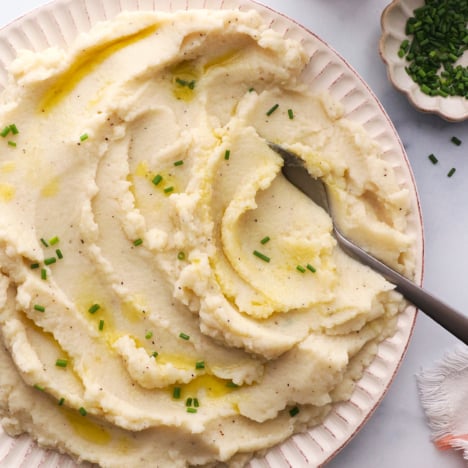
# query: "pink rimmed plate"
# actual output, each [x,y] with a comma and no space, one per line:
[59,22]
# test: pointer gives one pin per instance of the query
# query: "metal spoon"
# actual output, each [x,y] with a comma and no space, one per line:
[452,320]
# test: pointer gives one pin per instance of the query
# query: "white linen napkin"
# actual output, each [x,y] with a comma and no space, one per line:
[444,397]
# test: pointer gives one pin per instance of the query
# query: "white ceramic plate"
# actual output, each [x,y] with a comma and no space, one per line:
[60,21]
[393,22]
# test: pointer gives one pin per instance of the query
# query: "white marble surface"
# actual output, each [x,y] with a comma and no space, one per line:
[397,434]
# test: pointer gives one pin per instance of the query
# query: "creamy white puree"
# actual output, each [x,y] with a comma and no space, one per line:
[141,161]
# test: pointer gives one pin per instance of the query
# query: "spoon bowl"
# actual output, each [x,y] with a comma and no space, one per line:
[452,320]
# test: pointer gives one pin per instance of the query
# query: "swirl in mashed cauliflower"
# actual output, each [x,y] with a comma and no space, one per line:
[167,297]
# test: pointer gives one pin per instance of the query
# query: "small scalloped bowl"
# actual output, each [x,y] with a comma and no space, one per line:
[393,21]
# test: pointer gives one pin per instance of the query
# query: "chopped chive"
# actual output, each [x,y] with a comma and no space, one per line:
[176,393]
[84,137]
[196,404]
[181,255]
[184,336]
[451,172]
[14,129]
[101,325]
[44,242]
[189,401]
[50,261]
[157,179]
[61,401]
[43,273]
[290,114]
[188,84]
[155,354]
[300,268]
[456,141]
[34,266]
[39,387]
[12,143]
[231,384]
[261,256]
[269,112]
[137,242]
[5,131]
[169,189]
[94,308]
[251,90]
[39,308]
[294,411]
[149,335]
[59,254]
[200,365]
[433,159]
[54,240]
[265,240]
[311,268]
[191,410]
[179,163]
[61,363]
[227,154]
[82,411]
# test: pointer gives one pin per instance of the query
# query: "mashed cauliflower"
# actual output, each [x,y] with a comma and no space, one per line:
[167,297]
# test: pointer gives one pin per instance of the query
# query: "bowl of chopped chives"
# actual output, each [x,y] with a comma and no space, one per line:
[423,44]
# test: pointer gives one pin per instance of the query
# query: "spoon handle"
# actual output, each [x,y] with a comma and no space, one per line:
[451,319]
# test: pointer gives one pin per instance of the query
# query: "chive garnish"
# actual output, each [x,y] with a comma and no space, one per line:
[261,256]
[61,363]
[157,179]
[39,387]
[101,325]
[34,266]
[269,112]
[184,336]
[456,141]
[200,365]
[84,137]
[196,403]
[290,114]
[61,401]
[179,163]
[231,384]
[294,411]
[43,273]
[149,335]
[251,90]
[137,242]
[188,84]
[189,401]
[191,410]
[265,240]
[311,268]
[433,159]
[39,308]
[176,393]
[50,261]
[54,240]
[44,242]
[169,189]
[82,411]
[300,268]
[227,154]
[12,143]
[14,129]
[5,131]
[181,255]
[451,172]
[94,308]
[436,40]
[59,254]
[154,354]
